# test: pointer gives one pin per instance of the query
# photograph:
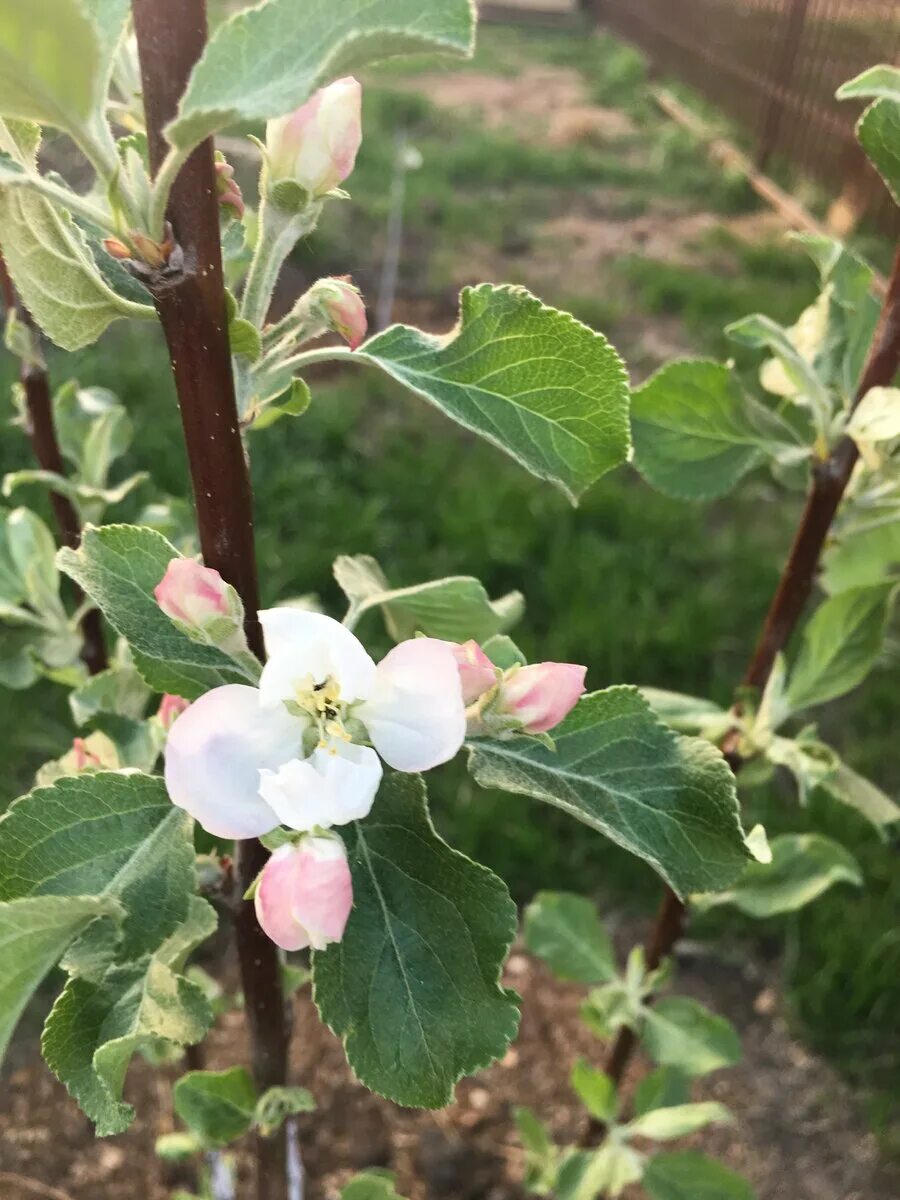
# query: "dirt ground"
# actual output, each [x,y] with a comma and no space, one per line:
[799,1134]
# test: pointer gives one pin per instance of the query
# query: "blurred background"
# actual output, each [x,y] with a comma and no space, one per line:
[549,161]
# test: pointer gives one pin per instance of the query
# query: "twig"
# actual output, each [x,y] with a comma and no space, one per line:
[34,1186]
[171,35]
[829,481]
[41,431]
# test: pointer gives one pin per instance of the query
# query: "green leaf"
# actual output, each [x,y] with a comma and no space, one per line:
[881,80]
[48,61]
[863,558]
[371,1185]
[846,785]
[879,135]
[219,1106]
[589,1175]
[841,644]
[103,834]
[596,1091]
[678,1120]
[278,1103]
[503,651]
[668,799]
[761,332]
[413,988]
[689,714]
[680,1032]
[695,432]
[661,1089]
[566,932]
[267,60]
[244,339]
[54,270]
[34,933]
[455,609]
[541,1154]
[96,1025]
[803,866]
[687,1175]
[119,690]
[532,380]
[118,566]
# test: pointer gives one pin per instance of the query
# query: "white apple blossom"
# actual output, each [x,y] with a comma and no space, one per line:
[303,748]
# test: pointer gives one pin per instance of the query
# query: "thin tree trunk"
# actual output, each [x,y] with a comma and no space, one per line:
[171,35]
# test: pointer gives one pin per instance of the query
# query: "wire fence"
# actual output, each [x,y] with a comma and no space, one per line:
[774,66]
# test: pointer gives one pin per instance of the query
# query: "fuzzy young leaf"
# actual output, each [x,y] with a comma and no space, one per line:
[566,932]
[661,1089]
[596,1090]
[762,332]
[678,1032]
[687,1175]
[862,559]
[841,644]
[97,1025]
[880,80]
[855,790]
[52,266]
[590,1175]
[118,566]
[668,799]
[413,989]
[532,380]
[278,1103]
[34,933]
[803,866]
[879,135]
[118,690]
[455,609]
[689,714]
[48,61]
[219,1106]
[371,1185]
[678,1120]
[695,432]
[267,60]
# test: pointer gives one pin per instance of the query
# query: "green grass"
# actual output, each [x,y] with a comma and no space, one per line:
[641,589]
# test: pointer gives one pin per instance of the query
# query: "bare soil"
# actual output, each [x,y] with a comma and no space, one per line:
[799,1133]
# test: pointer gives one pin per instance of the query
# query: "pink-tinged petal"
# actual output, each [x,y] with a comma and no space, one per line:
[316,146]
[273,901]
[542,694]
[343,308]
[335,785]
[192,593]
[171,709]
[416,716]
[305,894]
[302,644]
[477,674]
[215,752]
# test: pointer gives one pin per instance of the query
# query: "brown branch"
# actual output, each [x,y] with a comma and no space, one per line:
[171,35]
[33,1186]
[41,431]
[829,481]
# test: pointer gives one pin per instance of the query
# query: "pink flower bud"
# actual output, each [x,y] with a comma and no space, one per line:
[305,894]
[171,708]
[342,308]
[540,696]
[192,594]
[227,189]
[477,673]
[84,759]
[316,145]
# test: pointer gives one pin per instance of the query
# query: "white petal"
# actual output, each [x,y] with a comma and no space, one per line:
[415,716]
[336,784]
[302,643]
[214,753]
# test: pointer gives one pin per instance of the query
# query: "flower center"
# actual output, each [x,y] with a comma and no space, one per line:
[322,702]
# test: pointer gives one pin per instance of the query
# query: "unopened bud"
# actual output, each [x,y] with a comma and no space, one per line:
[343,308]
[477,674]
[203,606]
[316,146]
[171,709]
[115,248]
[537,697]
[227,189]
[305,893]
